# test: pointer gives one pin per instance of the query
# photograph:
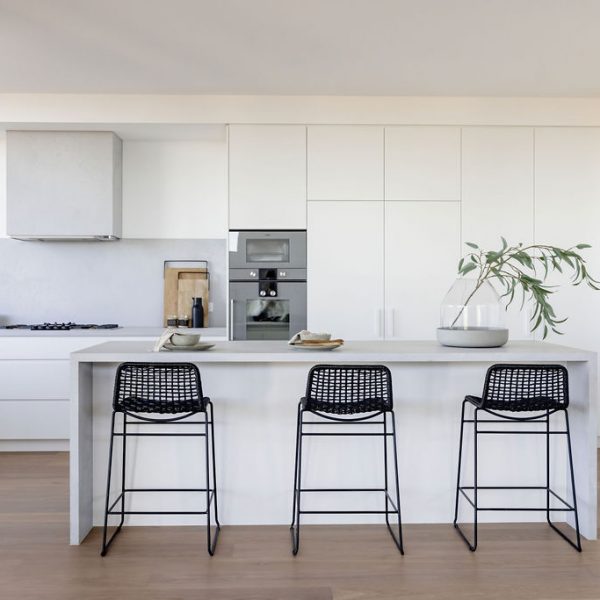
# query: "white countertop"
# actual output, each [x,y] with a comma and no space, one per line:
[371,351]
[120,332]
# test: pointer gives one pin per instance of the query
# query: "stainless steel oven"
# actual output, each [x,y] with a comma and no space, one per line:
[267,284]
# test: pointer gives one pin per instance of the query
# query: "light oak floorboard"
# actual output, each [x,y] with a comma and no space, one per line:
[521,561]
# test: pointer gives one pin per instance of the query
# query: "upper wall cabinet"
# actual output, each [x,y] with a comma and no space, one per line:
[422,163]
[345,162]
[497,185]
[267,177]
[175,189]
[63,185]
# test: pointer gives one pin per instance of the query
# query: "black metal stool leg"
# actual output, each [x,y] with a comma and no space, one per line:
[577,543]
[106,544]
[211,542]
[123,470]
[396,537]
[295,527]
[214,462]
[473,546]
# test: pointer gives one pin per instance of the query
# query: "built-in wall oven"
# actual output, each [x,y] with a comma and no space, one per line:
[267,284]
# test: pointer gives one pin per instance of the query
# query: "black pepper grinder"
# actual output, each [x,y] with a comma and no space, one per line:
[197,313]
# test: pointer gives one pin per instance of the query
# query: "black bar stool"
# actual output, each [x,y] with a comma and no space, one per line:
[332,393]
[540,391]
[143,389]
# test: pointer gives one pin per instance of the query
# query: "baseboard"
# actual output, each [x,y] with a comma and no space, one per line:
[34,445]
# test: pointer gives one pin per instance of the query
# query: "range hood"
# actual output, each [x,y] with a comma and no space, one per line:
[63,185]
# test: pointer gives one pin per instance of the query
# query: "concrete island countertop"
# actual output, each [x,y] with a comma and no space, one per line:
[367,351]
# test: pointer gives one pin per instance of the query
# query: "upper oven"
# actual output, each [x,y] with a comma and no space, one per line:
[259,249]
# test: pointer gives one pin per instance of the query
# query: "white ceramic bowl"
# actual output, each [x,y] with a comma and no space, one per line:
[308,336]
[185,339]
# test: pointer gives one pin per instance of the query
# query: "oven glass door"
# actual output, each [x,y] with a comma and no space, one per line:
[256,318]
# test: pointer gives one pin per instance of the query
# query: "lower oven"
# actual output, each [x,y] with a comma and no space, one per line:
[266,304]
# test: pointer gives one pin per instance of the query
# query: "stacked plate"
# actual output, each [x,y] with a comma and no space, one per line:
[306,340]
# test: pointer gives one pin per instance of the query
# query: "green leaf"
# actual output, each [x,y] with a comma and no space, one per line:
[472,245]
[582,246]
[504,243]
[468,268]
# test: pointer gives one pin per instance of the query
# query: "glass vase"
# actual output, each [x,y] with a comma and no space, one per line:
[472,315]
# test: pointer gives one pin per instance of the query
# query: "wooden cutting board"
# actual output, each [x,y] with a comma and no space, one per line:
[181,285]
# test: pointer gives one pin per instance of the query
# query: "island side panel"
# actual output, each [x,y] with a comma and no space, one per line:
[81,457]
[583,409]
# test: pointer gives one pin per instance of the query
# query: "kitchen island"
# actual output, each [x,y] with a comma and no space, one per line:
[255,387]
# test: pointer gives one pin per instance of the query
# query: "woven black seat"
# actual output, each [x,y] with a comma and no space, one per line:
[143,392]
[508,391]
[348,389]
[357,395]
[160,389]
[525,405]
[520,388]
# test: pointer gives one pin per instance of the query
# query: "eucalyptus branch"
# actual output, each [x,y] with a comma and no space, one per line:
[517,268]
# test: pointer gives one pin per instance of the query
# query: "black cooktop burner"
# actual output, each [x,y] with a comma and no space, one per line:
[60,326]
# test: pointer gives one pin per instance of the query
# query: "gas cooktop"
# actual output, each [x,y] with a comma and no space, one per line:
[60,326]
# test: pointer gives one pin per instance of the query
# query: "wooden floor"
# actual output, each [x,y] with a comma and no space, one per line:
[255,563]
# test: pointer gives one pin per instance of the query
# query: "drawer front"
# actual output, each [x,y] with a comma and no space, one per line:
[35,379]
[34,419]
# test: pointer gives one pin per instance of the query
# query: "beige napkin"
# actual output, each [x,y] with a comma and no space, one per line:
[296,337]
[165,337]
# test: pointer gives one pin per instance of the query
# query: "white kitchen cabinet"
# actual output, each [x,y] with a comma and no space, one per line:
[345,269]
[34,420]
[345,162]
[422,163]
[567,212]
[422,250]
[267,177]
[175,189]
[497,200]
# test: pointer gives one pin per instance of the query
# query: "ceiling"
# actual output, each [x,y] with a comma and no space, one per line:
[302,47]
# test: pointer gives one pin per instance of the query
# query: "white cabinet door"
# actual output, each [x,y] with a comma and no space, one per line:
[422,163]
[567,212]
[422,245]
[175,189]
[345,269]
[267,177]
[345,162]
[497,200]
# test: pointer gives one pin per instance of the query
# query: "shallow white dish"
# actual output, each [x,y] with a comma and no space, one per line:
[473,337]
[323,346]
[195,348]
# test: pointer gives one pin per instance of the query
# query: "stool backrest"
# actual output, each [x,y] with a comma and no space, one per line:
[369,385]
[529,385]
[152,384]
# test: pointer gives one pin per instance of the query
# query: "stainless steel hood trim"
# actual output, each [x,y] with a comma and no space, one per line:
[62,238]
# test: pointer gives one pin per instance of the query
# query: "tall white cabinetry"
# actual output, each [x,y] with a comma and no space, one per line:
[345,162]
[345,267]
[267,177]
[371,261]
[497,196]
[567,212]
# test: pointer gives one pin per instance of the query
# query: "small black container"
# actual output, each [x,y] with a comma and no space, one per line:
[197,313]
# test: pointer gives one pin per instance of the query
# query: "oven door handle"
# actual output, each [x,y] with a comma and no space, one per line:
[231,309]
